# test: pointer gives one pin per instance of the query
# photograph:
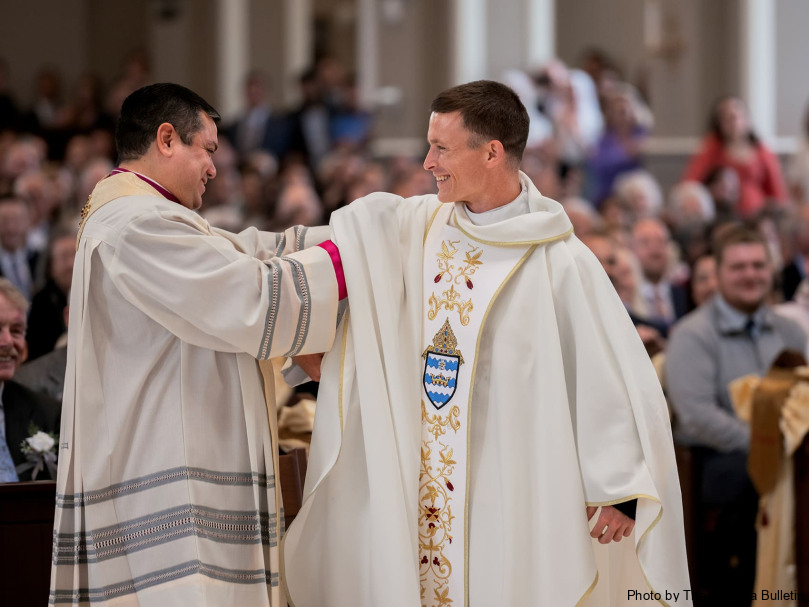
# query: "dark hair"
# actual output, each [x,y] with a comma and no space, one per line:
[733,234]
[489,110]
[716,128]
[149,107]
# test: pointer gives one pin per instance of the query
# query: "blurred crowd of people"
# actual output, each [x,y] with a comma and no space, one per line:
[282,166]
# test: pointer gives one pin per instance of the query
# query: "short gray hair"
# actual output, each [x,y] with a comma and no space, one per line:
[13,294]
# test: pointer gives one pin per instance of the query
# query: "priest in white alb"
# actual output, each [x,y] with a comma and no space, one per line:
[485,396]
[167,492]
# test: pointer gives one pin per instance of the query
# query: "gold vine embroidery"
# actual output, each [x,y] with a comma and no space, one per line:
[438,423]
[435,512]
[451,274]
[449,302]
[471,263]
[446,255]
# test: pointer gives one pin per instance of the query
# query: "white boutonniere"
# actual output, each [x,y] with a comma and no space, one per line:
[40,451]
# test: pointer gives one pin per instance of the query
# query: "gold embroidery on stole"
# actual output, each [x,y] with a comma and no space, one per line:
[453,264]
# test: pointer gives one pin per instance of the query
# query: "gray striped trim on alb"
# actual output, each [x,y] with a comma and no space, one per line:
[274,288]
[158,479]
[224,526]
[300,237]
[162,576]
[302,289]
[280,243]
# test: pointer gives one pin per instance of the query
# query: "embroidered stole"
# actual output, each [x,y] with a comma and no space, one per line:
[462,277]
[113,186]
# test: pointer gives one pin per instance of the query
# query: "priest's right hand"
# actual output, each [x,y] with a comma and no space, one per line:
[310,363]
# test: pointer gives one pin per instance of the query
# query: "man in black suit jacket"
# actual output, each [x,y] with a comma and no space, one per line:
[258,127]
[21,407]
[796,240]
[665,302]
[24,407]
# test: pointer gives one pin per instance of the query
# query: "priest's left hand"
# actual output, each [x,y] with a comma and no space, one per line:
[611,525]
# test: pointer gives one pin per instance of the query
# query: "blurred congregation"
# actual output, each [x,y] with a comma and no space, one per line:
[674,242]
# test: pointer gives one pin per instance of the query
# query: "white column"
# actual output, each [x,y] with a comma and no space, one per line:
[232,57]
[469,40]
[367,52]
[541,32]
[298,45]
[757,55]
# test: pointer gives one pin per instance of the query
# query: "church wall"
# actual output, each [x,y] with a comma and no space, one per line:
[38,33]
[792,49]
[701,61]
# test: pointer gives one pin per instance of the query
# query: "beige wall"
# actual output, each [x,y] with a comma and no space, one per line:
[36,33]
[414,52]
[414,57]
[506,40]
[267,46]
[108,46]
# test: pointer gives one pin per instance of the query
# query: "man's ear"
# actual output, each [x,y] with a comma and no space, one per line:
[167,139]
[495,152]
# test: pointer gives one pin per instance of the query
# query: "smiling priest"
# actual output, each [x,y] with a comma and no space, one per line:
[486,395]
[166,490]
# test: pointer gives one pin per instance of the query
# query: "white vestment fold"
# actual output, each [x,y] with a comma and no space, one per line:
[566,410]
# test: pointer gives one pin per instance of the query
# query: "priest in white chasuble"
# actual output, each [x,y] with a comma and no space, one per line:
[167,491]
[486,393]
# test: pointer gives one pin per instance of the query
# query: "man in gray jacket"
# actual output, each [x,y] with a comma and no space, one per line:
[734,334]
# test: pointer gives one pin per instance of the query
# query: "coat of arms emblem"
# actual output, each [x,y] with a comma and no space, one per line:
[441,363]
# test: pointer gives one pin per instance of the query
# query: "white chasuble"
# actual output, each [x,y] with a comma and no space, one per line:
[461,279]
[565,408]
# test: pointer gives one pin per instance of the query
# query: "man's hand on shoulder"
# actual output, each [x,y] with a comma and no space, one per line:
[611,525]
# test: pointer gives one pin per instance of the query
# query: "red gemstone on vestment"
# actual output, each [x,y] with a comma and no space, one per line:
[450,486]
[469,283]
[437,277]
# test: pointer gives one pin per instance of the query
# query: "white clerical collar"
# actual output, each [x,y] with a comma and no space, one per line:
[518,206]
[545,222]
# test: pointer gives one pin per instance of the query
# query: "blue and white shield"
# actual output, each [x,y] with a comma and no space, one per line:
[440,375]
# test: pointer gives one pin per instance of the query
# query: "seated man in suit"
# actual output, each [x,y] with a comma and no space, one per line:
[17,263]
[663,300]
[19,406]
[46,322]
[735,333]
[258,127]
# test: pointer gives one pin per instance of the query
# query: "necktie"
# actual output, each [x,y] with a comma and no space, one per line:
[660,308]
[750,328]
[20,276]
[8,474]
